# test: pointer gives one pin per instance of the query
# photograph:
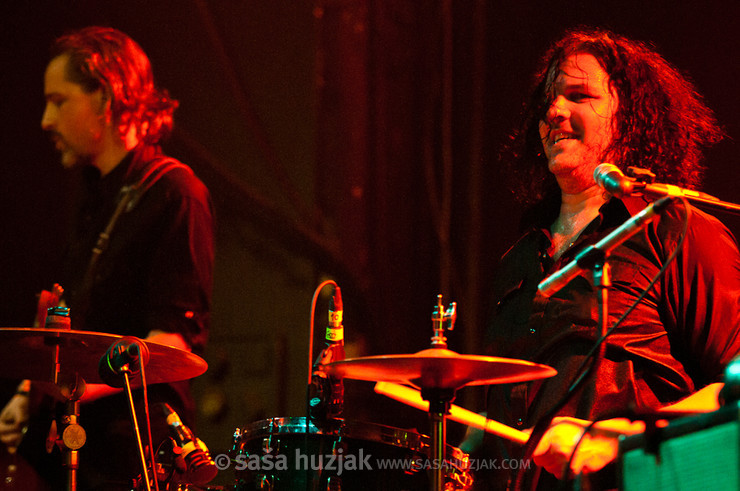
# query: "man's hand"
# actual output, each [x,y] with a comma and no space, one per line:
[13,420]
[600,445]
[597,448]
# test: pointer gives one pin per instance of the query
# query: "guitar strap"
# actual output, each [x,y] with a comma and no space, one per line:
[129,197]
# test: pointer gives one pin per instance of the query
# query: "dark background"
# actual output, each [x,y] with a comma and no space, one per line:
[345,139]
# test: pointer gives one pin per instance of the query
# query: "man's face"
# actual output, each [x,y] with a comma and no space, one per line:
[75,119]
[578,125]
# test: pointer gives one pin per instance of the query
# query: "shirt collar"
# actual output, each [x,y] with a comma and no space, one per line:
[612,214]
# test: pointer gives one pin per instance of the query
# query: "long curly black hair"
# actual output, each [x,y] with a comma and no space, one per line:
[661,123]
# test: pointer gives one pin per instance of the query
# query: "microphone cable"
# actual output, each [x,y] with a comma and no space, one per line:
[314,300]
[585,371]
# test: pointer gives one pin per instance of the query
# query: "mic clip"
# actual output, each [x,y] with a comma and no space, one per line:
[125,356]
[640,175]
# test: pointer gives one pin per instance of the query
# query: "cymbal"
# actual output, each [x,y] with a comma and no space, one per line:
[28,353]
[438,368]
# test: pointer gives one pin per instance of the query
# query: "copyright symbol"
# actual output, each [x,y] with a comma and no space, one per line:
[222,461]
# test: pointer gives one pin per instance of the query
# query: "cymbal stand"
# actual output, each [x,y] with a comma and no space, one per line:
[439,406]
[439,399]
[439,317]
[73,435]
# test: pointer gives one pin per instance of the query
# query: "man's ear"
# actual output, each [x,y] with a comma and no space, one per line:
[104,105]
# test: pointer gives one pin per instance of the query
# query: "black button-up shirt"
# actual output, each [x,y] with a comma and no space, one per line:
[677,340]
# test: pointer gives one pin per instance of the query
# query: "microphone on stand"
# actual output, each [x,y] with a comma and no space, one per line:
[126,354]
[610,178]
[327,401]
[585,259]
[199,466]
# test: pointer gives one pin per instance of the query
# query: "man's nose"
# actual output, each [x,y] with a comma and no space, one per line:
[557,111]
[47,119]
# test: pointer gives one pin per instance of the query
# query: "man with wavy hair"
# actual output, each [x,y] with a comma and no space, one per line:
[600,97]
[152,277]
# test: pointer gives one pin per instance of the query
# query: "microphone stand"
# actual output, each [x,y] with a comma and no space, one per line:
[601,273]
[108,368]
[594,258]
[640,181]
[125,370]
[703,200]
[590,256]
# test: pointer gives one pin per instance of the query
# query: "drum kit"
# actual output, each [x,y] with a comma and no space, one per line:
[58,356]
[62,361]
[434,374]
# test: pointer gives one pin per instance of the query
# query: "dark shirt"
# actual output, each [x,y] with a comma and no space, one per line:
[154,274]
[676,341]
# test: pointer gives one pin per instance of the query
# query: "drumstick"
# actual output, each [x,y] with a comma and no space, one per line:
[412,397]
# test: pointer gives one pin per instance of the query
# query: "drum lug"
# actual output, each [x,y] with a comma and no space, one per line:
[237,438]
[339,447]
[269,446]
[334,483]
[265,482]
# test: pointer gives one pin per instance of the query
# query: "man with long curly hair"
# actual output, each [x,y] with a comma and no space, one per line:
[140,258]
[600,97]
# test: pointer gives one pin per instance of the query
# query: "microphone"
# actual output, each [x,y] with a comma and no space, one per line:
[335,348]
[610,178]
[588,257]
[199,466]
[328,401]
[126,354]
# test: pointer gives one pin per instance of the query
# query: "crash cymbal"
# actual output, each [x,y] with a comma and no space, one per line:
[28,353]
[438,368]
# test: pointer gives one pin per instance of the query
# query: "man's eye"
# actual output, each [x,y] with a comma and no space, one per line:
[55,101]
[580,96]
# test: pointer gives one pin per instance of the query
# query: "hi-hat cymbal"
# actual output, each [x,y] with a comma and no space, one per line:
[438,368]
[28,353]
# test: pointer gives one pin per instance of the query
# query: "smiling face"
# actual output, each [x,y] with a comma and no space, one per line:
[578,125]
[75,119]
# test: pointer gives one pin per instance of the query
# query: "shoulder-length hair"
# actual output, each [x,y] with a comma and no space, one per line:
[107,59]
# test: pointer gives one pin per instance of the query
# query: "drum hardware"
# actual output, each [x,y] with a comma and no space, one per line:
[28,353]
[325,392]
[126,357]
[439,373]
[174,471]
[61,361]
[412,397]
[71,388]
[199,468]
[296,443]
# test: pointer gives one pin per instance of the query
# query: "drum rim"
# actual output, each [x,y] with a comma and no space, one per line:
[409,439]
